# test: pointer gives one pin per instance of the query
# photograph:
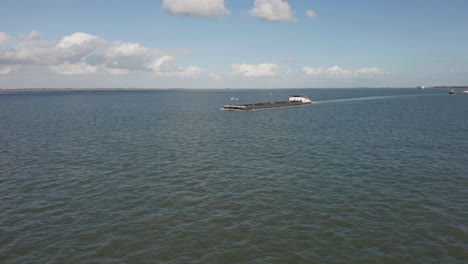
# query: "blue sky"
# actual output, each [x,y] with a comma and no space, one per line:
[233,43]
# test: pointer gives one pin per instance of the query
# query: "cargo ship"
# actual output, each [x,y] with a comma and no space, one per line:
[294,100]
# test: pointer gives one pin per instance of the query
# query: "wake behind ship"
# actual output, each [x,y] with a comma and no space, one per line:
[294,100]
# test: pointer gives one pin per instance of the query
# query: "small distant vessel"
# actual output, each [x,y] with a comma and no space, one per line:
[453,91]
[294,100]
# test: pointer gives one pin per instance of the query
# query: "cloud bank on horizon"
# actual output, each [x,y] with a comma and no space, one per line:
[338,72]
[85,54]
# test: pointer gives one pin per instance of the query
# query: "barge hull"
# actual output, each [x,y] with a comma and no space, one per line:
[247,107]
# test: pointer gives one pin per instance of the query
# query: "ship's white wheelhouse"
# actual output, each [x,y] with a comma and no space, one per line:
[297,98]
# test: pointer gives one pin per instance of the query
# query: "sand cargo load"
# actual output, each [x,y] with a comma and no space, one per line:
[295,100]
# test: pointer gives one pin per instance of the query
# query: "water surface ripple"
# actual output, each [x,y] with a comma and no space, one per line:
[165,177]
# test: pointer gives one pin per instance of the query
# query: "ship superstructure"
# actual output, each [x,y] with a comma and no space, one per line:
[295,100]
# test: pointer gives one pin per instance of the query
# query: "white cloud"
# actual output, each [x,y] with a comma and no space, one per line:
[5,70]
[29,49]
[85,69]
[338,72]
[214,76]
[4,38]
[34,35]
[161,62]
[128,55]
[369,71]
[334,71]
[80,40]
[272,10]
[73,69]
[311,14]
[196,8]
[255,70]
[121,49]
[116,71]
[78,45]
[85,54]
[164,66]
[188,72]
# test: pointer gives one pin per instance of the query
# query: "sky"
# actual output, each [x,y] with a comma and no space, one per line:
[213,44]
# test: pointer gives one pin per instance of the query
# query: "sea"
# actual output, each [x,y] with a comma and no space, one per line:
[371,175]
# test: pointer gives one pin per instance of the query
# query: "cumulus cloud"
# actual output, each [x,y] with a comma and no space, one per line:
[73,69]
[29,49]
[196,8]
[85,69]
[188,72]
[86,54]
[128,55]
[121,49]
[272,10]
[78,45]
[338,72]
[164,66]
[311,14]
[255,70]
[34,35]
[4,38]
[5,70]
[161,63]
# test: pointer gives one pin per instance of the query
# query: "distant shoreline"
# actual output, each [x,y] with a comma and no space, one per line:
[167,89]
[83,89]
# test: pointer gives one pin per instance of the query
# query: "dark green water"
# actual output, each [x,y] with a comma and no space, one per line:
[365,176]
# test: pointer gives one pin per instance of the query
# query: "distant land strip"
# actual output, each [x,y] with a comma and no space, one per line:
[6,90]
[86,89]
